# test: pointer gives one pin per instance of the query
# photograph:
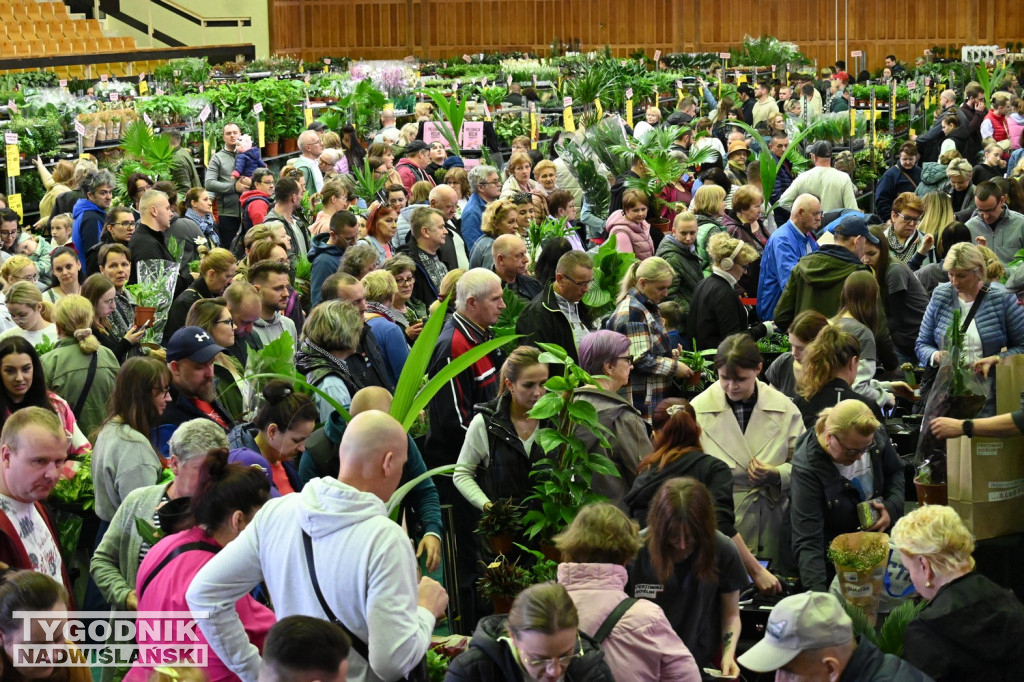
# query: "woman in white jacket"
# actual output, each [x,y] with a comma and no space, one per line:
[752,427]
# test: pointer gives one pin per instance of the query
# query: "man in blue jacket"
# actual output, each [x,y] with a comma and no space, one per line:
[785,247]
[90,212]
[485,184]
[327,249]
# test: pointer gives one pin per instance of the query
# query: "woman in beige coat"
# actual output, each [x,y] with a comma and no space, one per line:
[753,428]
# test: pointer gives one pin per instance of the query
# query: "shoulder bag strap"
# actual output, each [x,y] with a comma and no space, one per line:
[613,618]
[357,643]
[974,308]
[80,403]
[908,178]
[176,552]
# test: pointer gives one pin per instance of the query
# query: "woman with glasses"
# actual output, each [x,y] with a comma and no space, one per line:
[118,228]
[605,356]
[213,316]
[539,639]
[716,310]
[18,269]
[217,268]
[277,435]
[407,312]
[32,315]
[67,272]
[693,572]
[257,201]
[844,460]
[124,457]
[101,293]
[79,369]
[901,233]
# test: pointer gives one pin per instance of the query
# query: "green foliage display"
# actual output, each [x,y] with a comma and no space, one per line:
[367,184]
[610,266]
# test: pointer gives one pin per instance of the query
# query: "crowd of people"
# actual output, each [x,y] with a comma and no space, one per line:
[261,491]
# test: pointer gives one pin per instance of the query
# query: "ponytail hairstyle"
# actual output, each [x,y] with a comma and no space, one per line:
[830,351]
[190,197]
[860,299]
[73,316]
[27,293]
[653,268]
[225,488]
[516,362]
[682,510]
[217,259]
[25,591]
[677,433]
[284,407]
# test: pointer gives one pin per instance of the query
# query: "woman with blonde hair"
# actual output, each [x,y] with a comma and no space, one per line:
[213,316]
[381,287]
[546,174]
[500,217]
[785,371]
[937,212]
[18,268]
[994,269]
[655,362]
[217,269]
[709,207]
[78,368]
[641,644]
[843,461]
[716,310]
[970,627]
[829,370]
[334,196]
[32,315]
[517,178]
[960,187]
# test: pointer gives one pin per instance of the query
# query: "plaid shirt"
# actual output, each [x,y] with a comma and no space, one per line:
[638,318]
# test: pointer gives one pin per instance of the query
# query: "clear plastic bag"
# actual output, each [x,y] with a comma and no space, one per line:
[158,278]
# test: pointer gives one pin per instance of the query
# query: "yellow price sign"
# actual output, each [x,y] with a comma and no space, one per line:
[307,115]
[629,112]
[853,121]
[14,203]
[13,161]
[679,98]
[206,152]
[567,120]
[534,131]
[262,126]
[600,109]
[143,87]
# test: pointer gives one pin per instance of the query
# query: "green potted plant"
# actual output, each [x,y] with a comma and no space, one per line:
[499,523]
[610,266]
[146,296]
[501,581]
[703,371]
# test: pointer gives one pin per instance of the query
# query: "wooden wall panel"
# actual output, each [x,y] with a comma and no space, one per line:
[392,29]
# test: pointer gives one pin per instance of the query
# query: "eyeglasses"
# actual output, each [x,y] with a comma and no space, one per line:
[228,321]
[492,182]
[983,211]
[562,661]
[850,452]
[21,316]
[125,224]
[29,278]
[166,390]
[405,280]
[585,283]
[627,358]
[818,214]
[910,220]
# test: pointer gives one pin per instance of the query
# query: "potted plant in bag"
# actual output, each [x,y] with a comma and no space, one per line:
[499,523]
[928,492]
[146,296]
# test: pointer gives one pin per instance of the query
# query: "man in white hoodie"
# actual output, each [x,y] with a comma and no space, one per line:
[364,563]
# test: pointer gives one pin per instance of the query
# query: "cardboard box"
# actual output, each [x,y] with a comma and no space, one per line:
[986,484]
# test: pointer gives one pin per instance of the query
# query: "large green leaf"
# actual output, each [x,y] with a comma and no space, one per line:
[416,364]
[395,501]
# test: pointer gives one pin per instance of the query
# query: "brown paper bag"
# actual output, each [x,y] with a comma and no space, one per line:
[861,577]
[986,484]
[1009,384]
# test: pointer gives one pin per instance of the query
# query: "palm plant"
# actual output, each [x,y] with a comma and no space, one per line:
[601,138]
[989,81]
[144,153]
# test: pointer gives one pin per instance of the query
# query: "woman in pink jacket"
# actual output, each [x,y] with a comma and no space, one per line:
[632,234]
[226,498]
[640,643]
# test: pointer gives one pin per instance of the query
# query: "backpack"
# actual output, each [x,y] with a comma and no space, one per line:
[238,245]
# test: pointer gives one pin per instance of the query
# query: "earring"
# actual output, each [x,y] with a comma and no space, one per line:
[928,584]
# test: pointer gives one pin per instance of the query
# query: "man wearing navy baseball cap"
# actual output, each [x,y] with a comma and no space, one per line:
[810,638]
[816,282]
[190,355]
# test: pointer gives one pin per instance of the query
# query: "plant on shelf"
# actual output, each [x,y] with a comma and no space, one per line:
[365,103]
[610,266]
[493,95]
[562,480]
[544,569]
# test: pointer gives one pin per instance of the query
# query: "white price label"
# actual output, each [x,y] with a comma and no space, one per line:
[257,108]
[928,80]
[114,96]
[629,93]
[159,92]
[533,107]
[177,73]
[466,58]
[487,112]
[508,81]
[679,85]
[857,53]
[483,82]
[723,55]
[63,82]
[103,78]
[202,88]
[455,86]
[327,61]
[12,106]
[10,138]
[912,85]
[657,55]
[148,120]
[205,113]
[566,102]
[79,127]
[534,80]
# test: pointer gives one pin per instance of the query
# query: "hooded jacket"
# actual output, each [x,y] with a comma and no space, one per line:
[627,437]
[87,226]
[933,177]
[971,629]
[325,259]
[489,658]
[642,646]
[630,237]
[816,283]
[364,563]
[711,471]
[686,266]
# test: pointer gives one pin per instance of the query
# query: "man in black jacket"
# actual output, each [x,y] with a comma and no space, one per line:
[974,110]
[746,95]
[509,254]
[930,142]
[557,315]
[149,243]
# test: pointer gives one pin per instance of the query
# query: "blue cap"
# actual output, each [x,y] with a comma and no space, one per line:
[854,225]
[193,343]
[453,162]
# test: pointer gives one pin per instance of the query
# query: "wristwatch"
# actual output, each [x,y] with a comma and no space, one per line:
[968,428]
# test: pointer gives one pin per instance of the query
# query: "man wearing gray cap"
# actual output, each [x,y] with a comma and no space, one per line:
[810,638]
[833,187]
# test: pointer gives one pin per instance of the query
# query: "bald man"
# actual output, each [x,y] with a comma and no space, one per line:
[308,162]
[453,252]
[509,253]
[339,531]
[785,247]
[321,459]
[930,143]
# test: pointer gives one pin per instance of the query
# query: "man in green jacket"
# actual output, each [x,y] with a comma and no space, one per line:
[183,169]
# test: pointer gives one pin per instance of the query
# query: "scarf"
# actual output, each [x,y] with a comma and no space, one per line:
[205,224]
[382,310]
[903,252]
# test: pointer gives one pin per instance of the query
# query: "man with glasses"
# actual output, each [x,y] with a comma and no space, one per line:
[90,211]
[902,176]
[485,185]
[902,234]
[1002,228]
[833,187]
[557,314]
[309,161]
[785,247]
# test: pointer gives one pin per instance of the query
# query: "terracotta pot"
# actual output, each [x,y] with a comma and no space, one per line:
[694,379]
[934,493]
[271,149]
[144,314]
[291,144]
[500,544]
[661,224]
[502,604]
